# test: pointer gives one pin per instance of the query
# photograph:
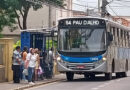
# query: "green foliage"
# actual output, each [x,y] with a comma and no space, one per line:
[50,44]
[1,36]
[7,16]
[18,43]
[55,2]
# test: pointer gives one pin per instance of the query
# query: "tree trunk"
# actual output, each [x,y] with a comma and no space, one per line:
[25,22]
[25,18]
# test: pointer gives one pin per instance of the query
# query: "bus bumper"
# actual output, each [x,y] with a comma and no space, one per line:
[102,68]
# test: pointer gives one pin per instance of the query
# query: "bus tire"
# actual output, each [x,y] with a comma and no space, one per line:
[118,75]
[92,76]
[108,76]
[126,66]
[86,76]
[69,76]
[123,74]
[113,66]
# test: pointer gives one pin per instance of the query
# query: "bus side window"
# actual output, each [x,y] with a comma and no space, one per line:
[127,39]
[118,36]
[121,33]
[121,38]
[113,29]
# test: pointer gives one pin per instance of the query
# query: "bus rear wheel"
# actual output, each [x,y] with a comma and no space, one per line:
[69,76]
[108,76]
[118,75]
[123,74]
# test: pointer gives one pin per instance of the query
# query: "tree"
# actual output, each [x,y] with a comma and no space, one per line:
[7,16]
[21,8]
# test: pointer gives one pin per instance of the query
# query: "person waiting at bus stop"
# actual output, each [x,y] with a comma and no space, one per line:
[24,55]
[30,65]
[51,61]
[16,65]
[37,65]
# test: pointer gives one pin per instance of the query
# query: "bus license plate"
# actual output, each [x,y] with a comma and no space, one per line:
[80,67]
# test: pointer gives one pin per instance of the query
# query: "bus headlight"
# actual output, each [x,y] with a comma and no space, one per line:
[104,58]
[59,59]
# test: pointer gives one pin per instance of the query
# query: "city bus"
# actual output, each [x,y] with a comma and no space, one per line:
[91,46]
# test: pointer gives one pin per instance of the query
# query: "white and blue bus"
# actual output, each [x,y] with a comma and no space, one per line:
[92,46]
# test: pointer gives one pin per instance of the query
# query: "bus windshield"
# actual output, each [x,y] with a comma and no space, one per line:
[82,40]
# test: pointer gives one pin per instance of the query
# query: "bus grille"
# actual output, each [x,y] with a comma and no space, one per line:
[74,66]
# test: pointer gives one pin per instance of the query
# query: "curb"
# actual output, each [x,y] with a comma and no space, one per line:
[38,84]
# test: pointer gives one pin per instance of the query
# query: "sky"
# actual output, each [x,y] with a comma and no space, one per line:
[115,7]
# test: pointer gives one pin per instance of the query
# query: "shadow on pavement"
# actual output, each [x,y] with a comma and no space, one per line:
[96,79]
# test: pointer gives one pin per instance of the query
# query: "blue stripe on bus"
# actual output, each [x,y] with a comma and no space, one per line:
[81,59]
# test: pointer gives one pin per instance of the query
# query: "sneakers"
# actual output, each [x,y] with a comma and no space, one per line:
[26,80]
[31,83]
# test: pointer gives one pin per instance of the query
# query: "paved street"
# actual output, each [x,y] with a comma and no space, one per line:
[81,84]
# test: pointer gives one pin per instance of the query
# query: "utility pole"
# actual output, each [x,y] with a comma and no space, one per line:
[49,18]
[103,8]
[99,3]
[87,9]
[49,23]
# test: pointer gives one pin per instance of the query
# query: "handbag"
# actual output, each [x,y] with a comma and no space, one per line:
[25,72]
[40,71]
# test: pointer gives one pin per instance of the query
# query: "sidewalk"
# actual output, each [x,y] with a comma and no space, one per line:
[24,85]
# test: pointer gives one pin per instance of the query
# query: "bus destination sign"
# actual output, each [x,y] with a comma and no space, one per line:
[81,22]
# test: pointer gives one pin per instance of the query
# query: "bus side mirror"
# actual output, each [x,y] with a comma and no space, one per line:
[110,37]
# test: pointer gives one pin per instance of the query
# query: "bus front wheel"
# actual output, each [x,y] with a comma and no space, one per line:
[69,76]
[108,76]
[118,75]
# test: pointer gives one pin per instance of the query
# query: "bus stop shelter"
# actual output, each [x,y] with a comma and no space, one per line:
[37,38]
[40,38]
